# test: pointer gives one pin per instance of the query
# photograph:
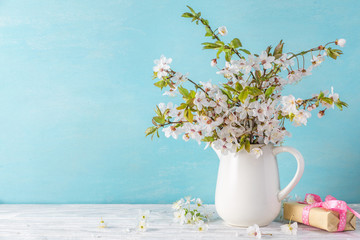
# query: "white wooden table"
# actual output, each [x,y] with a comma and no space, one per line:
[81,221]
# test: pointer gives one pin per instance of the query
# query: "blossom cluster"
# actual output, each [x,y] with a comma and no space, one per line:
[248,108]
[191,211]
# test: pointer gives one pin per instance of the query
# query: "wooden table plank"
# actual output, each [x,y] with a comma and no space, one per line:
[80,221]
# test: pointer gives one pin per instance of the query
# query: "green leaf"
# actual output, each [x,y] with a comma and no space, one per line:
[208,45]
[245,51]
[161,84]
[327,100]
[228,57]
[243,95]
[208,32]
[238,86]
[188,115]
[236,43]
[160,120]
[187,15]
[192,10]
[158,111]
[255,91]
[229,88]
[219,52]
[227,93]
[182,106]
[183,91]
[208,139]
[150,130]
[269,91]
[247,146]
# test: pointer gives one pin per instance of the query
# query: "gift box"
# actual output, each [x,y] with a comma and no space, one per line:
[318,217]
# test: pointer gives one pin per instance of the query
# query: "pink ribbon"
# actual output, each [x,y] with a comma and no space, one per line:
[330,203]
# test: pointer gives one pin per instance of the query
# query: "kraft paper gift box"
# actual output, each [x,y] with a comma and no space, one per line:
[319,217]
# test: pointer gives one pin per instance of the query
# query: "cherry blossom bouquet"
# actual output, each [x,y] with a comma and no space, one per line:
[248,107]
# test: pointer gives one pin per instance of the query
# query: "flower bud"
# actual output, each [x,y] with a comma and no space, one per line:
[313,106]
[309,108]
[321,47]
[321,113]
[223,31]
[340,42]
[213,62]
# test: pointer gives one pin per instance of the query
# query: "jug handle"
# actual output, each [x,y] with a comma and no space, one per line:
[299,172]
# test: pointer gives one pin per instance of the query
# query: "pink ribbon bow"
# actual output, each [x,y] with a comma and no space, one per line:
[330,203]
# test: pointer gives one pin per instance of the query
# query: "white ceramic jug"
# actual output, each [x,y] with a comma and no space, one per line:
[248,189]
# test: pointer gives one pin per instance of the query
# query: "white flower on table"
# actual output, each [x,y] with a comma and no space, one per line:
[178,204]
[290,229]
[198,202]
[144,215]
[254,231]
[142,226]
[188,199]
[201,226]
[266,60]
[257,152]
[223,31]
[179,215]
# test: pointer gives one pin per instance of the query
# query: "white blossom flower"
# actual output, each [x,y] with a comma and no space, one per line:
[200,100]
[258,110]
[340,42]
[257,152]
[178,204]
[179,215]
[253,62]
[201,226]
[284,61]
[223,31]
[290,229]
[199,203]
[163,106]
[142,226]
[301,117]
[188,199]
[317,60]
[144,215]
[294,76]
[254,231]
[171,131]
[162,66]
[244,109]
[171,93]
[289,104]
[102,224]
[266,60]
[179,78]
